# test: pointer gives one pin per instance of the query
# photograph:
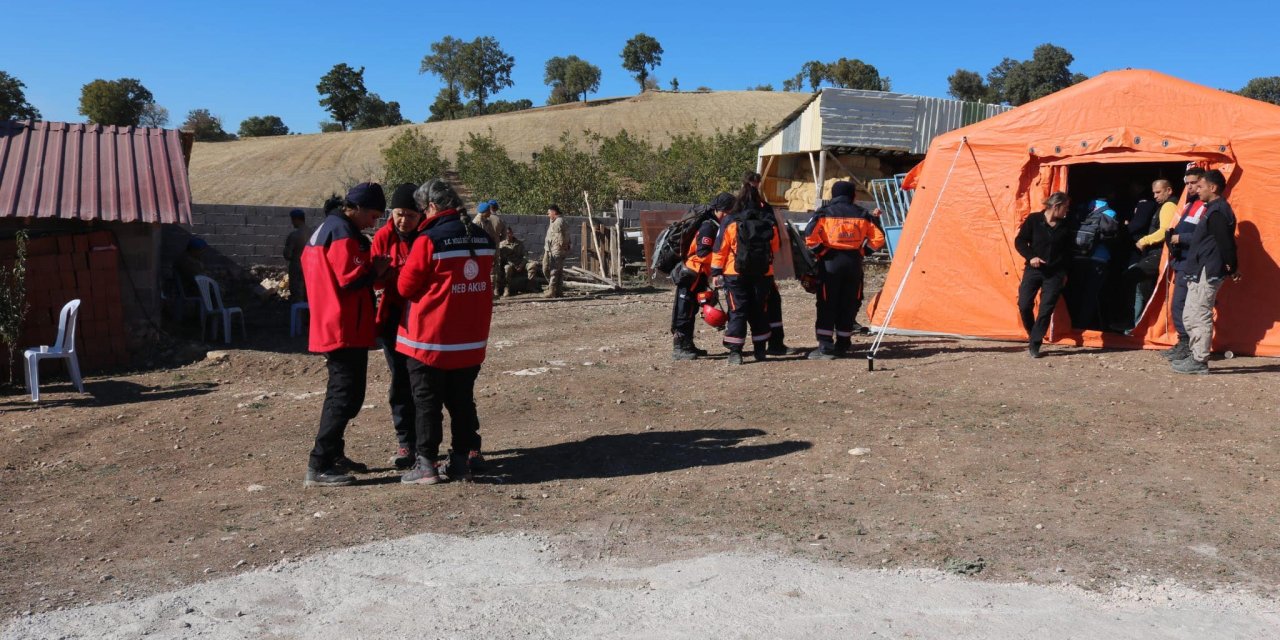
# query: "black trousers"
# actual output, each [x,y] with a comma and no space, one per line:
[1049,286]
[1179,303]
[435,390]
[747,297]
[773,309]
[684,311]
[840,274]
[348,375]
[400,393]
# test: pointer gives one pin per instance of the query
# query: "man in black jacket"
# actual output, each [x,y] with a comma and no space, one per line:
[1045,239]
[1211,260]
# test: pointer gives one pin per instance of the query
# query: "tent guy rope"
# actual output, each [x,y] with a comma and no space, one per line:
[884,326]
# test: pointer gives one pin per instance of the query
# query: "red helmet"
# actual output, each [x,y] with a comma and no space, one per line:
[714,316]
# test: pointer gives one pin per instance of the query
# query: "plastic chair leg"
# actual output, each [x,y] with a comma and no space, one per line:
[33,377]
[226,326]
[73,368]
[244,335]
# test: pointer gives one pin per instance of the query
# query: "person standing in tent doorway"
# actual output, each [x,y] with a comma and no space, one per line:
[1179,238]
[1046,240]
[840,234]
[742,264]
[1148,226]
[1211,259]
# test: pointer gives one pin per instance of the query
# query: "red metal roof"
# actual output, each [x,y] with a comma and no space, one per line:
[91,172]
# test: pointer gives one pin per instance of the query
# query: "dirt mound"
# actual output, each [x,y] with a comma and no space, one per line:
[300,170]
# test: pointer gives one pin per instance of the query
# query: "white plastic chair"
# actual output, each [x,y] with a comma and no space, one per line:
[211,299]
[295,317]
[64,348]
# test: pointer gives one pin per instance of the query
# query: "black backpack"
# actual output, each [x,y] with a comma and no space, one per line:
[1097,227]
[672,246]
[754,255]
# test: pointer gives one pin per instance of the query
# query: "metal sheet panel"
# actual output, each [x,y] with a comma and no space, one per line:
[90,172]
[873,119]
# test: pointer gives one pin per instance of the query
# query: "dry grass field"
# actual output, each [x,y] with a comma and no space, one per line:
[298,170]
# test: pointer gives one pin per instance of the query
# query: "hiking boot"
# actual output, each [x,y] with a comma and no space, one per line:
[423,472]
[689,345]
[344,464]
[459,468]
[735,358]
[1033,349]
[761,354]
[327,478]
[1178,351]
[861,329]
[475,461]
[820,354]
[680,350]
[403,459]
[1191,366]
[843,345]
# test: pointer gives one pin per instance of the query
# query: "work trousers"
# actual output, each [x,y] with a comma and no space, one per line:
[554,268]
[297,282]
[838,299]
[747,297]
[435,390]
[400,393]
[1197,316]
[1049,286]
[348,374]
[1178,305]
[684,311]
[773,310]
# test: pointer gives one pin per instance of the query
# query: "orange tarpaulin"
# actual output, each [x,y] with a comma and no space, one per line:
[964,280]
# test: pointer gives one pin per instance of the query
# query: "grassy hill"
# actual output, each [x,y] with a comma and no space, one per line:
[300,170]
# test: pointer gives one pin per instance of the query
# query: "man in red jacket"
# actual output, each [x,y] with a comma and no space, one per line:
[447,282]
[394,240]
[340,276]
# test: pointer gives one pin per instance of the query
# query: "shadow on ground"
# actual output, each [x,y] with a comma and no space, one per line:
[105,393]
[633,454]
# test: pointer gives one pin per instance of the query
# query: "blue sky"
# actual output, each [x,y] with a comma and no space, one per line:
[240,59]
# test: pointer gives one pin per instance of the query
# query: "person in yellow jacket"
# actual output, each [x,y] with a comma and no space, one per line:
[1146,268]
[742,264]
[840,234]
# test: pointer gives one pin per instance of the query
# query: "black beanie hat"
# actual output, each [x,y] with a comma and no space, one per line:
[402,197]
[367,195]
[842,188]
[722,202]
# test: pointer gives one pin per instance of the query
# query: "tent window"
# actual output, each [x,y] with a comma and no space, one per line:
[1102,293]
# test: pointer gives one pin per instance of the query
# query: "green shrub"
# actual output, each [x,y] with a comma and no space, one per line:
[412,157]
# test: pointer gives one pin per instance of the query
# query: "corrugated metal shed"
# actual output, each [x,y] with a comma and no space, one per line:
[858,120]
[90,172]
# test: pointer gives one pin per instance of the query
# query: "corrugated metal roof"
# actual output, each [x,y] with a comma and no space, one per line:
[91,172]
[872,120]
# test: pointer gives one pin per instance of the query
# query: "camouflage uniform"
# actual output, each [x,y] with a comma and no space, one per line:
[555,250]
[511,255]
[497,230]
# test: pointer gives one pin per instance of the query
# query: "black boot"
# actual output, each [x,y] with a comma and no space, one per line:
[680,349]
[688,344]
[1179,351]
[761,353]
[843,345]
[735,358]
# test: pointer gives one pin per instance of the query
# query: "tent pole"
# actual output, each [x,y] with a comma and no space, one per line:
[884,326]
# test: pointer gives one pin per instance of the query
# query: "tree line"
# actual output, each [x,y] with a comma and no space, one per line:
[472,72]
[690,168]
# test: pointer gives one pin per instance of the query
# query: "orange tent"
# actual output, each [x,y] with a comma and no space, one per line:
[977,184]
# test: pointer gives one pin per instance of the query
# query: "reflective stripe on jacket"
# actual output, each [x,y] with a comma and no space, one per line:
[841,225]
[335,264]
[446,282]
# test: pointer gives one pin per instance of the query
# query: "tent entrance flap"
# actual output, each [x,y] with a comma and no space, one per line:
[1105,290]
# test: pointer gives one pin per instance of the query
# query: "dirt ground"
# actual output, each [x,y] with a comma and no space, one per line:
[1088,468]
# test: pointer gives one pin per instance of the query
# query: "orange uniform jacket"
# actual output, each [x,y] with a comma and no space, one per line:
[842,226]
[726,248]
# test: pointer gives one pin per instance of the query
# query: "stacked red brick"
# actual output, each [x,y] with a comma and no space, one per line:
[64,267]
